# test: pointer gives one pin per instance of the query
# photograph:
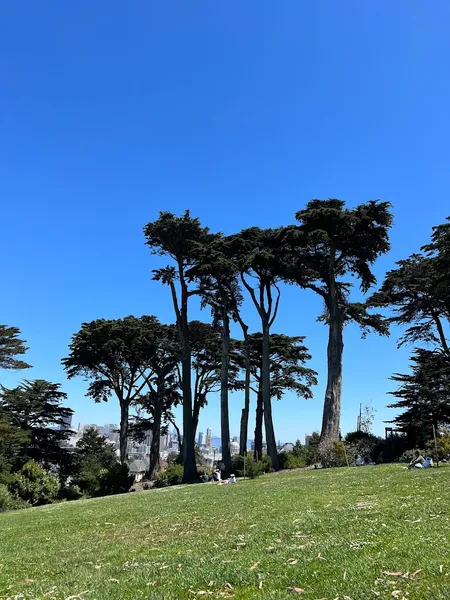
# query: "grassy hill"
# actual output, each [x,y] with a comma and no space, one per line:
[329,533]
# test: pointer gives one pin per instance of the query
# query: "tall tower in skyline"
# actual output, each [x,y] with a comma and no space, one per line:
[209,438]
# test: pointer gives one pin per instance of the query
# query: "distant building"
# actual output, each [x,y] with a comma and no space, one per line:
[308,438]
[209,438]
[138,468]
[201,440]
[110,428]
[66,425]
[288,447]
[234,446]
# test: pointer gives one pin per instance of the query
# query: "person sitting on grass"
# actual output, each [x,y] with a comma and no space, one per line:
[232,479]
[417,460]
[359,461]
[216,476]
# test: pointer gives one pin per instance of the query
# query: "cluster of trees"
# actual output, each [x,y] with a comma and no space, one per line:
[418,293]
[153,367]
[35,465]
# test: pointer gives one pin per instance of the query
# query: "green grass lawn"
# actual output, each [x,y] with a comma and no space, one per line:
[330,533]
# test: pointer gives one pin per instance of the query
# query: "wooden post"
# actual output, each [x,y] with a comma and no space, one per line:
[435,445]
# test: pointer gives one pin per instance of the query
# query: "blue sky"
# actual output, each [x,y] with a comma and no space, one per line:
[240,111]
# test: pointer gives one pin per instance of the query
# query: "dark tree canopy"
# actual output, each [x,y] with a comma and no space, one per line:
[176,237]
[288,356]
[36,408]
[333,242]
[415,293]
[12,441]
[93,446]
[11,347]
[424,396]
[114,357]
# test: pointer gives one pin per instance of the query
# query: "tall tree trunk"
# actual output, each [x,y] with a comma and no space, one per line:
[156,432]
[123,432]
[440,329]
[267,401]
[258,425]
[190,469]
[224,416]
[196,413]
[246,410]
[332,405]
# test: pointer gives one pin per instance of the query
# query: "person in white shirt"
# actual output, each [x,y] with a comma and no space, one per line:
[359,461]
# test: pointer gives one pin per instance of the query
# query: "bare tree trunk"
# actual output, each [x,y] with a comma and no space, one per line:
[123,433]
[190,469]
[224,416]
[267,401]
[332,405]
[246,410]
[258,426]
[156,433]
[441,333]
[196,414]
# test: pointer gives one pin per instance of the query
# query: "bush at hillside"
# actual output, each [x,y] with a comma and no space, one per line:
[35,485]
[291,460]
[8,501]
[443,447]
[173,475]
[332,454]
[369,447]
[115,480]
[250,467]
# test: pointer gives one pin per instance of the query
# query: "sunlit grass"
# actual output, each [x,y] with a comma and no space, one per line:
[329,533]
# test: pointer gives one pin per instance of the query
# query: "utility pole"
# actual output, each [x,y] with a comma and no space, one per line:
[359,420]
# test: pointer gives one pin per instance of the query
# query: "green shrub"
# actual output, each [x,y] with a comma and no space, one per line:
[331,454]
[115,480]
[291,460]
[8,501]
[94,480]
[443,447]
[71,492]
[35,485]
[250,467]
[175,474]
[368,446]
[161,480]
[311,455]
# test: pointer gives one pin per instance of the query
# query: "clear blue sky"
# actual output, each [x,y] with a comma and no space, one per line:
[240,111]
